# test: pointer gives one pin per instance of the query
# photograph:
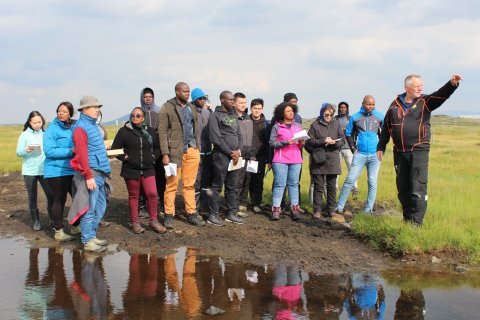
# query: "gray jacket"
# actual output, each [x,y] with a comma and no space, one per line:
[203,115]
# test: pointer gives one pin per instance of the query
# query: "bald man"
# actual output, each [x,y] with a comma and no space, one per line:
[408,123]
[365,125]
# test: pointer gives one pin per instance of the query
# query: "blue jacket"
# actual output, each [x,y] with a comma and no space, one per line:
[365,126]
[32,164]
[58,144]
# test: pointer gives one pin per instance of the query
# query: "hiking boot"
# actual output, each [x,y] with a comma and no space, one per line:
[168,221]
[242,208]
[62,236]
[93,247]
[232,217]
[354,193]
[36,220]
[104,223]
[137,228]
[348,213]
[317,215]
[195,220]
[215,220]
[75,230]
[157,227]
[143,213]
[295,212]
[257,209]
[338,218]
[275,213]
[100,242]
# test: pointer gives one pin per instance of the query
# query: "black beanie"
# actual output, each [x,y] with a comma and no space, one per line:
[288,96]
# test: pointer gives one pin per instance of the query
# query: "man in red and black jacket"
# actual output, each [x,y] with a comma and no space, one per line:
[407,121]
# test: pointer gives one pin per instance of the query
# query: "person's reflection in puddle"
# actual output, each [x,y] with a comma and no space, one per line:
[234,278]
[182,286]
[410,305]
[288,288]
[49,297]
[89,290]
[367,300]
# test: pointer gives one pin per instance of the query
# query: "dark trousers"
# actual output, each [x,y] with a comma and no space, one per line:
[256,181]
[203,182]
[60,186]
[223,177]
[412,178]
[31,185]
[243,183]
[318,190]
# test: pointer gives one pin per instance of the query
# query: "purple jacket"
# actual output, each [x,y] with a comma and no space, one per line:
[284,152]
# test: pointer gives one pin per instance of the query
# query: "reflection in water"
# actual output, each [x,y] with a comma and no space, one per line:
[182,285]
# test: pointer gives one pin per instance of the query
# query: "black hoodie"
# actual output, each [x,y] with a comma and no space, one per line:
[224,130]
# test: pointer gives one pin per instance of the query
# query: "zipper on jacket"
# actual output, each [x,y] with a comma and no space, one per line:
[141,156]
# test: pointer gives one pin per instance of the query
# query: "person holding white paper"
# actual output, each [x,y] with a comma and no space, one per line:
[141,149]
[326,136]
[287,159]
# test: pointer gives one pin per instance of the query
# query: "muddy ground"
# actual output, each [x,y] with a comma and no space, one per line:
[319,246]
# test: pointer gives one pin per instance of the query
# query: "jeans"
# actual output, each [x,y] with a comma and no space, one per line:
[98,203]
[361,160]
[285,175]
[347,156]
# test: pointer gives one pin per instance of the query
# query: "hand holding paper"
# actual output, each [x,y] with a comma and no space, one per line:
[300,135]
[170,169]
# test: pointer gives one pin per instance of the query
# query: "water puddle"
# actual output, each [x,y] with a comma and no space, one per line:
[51,283]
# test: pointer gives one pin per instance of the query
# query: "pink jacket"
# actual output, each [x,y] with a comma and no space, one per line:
[284,152]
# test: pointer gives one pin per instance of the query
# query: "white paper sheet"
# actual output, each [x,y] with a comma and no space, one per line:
[239,164]
[170,169]
[300,135]
[252,166]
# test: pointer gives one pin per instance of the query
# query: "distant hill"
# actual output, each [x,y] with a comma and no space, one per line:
[120,120]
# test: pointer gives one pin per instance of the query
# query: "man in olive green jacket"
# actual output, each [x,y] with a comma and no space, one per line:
[179,142]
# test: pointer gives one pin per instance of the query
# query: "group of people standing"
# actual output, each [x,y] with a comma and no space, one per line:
[223,148]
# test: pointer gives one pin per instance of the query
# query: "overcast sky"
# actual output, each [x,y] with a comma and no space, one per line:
[336,50]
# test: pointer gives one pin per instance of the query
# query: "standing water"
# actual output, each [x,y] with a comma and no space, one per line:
[52,283]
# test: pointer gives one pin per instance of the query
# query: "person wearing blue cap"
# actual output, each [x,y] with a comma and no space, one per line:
[205,168]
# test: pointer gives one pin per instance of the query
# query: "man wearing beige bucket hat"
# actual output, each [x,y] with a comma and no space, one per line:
[92,166]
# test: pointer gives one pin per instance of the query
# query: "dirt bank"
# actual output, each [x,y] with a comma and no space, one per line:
[319,246]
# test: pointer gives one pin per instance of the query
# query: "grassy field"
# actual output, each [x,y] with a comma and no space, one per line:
[452,220]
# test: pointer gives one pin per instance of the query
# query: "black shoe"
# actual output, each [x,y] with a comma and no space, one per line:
[232,217]
[168,221]
[215,220]
[143,213]
[196,220]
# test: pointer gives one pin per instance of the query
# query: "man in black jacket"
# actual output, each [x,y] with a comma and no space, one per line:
[226,139]
[407,121]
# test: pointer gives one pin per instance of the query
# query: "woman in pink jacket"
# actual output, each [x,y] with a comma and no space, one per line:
[287,158]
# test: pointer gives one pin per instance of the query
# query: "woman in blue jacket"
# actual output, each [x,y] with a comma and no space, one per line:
[30,148]
[59,150]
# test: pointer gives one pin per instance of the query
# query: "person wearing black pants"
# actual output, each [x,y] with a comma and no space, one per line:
[31,184]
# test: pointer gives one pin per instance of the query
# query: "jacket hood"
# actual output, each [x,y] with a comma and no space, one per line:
[223,109]
[363,111]
[147,107]
[341,114]
[322,109]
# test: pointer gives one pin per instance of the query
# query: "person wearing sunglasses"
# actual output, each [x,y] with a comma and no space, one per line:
[141,148]
[326,135]
[365,125]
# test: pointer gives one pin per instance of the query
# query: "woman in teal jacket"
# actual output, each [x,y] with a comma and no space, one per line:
[59,150]
[30,148]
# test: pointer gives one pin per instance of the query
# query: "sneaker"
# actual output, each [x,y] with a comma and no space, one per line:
[137,228]
[354,193]
[275,213]
[348,213]
[62,236]
[257,209]
[195,220]
[93,247]
[104,223]
[168,221]
[243,214]
[232,217]
[143,213]
[215,220]
[338,218]
[75,230]
[317,215]
[157,227]
[242,208]
[100,242]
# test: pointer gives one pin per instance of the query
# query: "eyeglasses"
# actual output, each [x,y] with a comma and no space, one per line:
[136,115]
[202,98]
[327,115]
